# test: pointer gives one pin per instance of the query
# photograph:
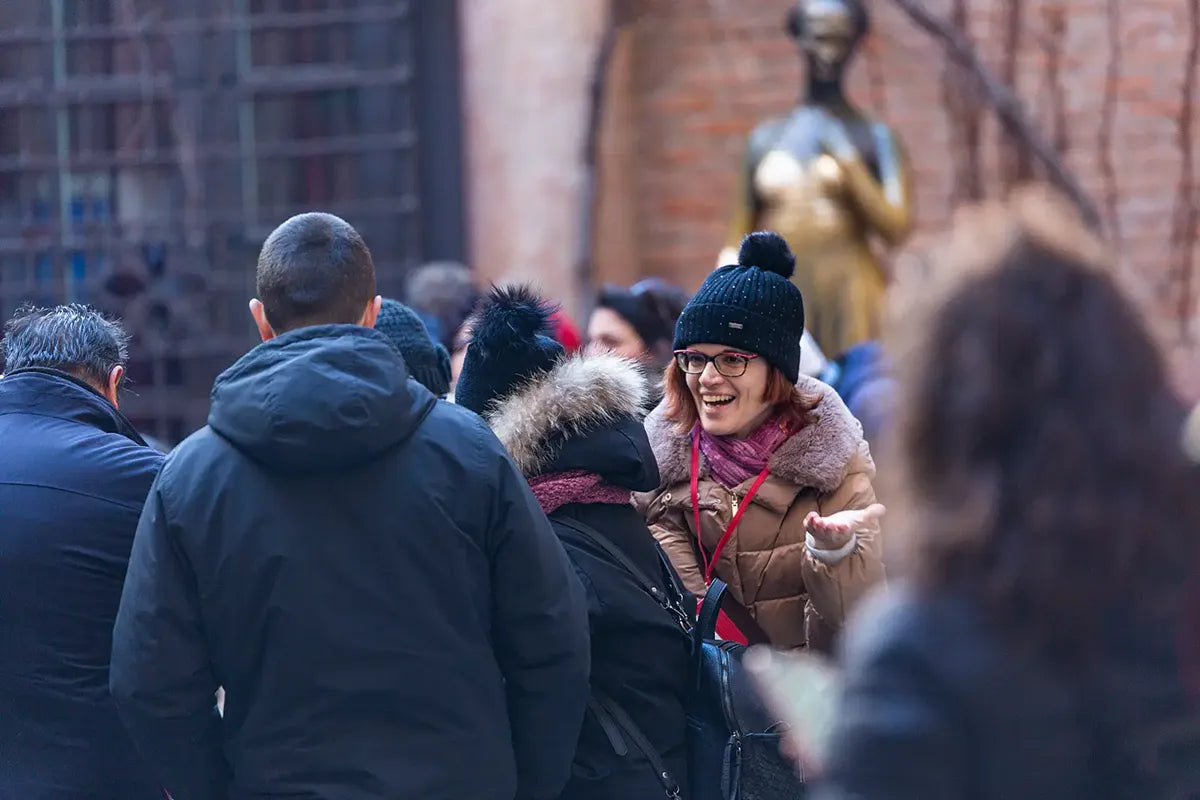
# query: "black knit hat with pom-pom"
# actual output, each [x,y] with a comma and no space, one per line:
[511,341]
[751,305]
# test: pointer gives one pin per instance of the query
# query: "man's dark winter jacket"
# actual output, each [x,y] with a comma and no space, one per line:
[73,477]
[366,573]
[583,416]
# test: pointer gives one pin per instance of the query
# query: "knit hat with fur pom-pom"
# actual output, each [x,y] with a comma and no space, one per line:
[750,306]
[511,341]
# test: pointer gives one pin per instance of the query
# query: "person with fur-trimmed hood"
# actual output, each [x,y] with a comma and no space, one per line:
[766,478]
[571,425]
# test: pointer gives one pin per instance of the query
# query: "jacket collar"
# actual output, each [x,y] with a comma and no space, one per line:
[581,414]
[53,393]
[817,456]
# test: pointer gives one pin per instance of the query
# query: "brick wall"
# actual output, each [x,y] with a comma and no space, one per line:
[694,76]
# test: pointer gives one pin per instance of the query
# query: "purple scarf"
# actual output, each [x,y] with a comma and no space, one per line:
[734,461]
[577,486]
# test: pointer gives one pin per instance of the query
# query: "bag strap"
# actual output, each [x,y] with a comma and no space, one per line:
[609,726]
[671,604]
[716,599]
[612,718]
[630,728]
[706,619]
[680,596]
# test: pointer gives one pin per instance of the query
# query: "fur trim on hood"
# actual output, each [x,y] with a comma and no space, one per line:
[577,394]
[818,456]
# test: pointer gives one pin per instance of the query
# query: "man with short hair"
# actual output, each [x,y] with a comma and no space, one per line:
[73,477]
[358,564]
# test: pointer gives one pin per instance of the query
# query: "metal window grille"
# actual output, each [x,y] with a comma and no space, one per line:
[147,147]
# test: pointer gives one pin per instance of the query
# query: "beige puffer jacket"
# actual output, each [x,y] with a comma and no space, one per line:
[797,594]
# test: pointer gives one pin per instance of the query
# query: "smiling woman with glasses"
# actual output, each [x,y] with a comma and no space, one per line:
[765,482]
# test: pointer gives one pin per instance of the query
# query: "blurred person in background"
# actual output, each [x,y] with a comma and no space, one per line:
[573,426]
[360,566]
[73,477]
[638,323]
[443,294]
[427,361]
[1051,518]
[860,377]
[766,479]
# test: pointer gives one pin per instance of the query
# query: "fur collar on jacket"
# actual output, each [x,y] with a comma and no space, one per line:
[818,456]
[580,393]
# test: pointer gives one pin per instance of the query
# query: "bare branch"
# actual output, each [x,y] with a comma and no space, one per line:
[185,116]
[1104,140]
[128,16]
[1017,166]
[965,115]
[1187,216]
[1056,29]
[1007,106]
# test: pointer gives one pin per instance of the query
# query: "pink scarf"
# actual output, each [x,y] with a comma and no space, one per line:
[577,486]
[734,461]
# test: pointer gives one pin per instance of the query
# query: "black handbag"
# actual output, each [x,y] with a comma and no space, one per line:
[733,742]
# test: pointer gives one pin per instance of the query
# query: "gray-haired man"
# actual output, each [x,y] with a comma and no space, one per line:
[73,477]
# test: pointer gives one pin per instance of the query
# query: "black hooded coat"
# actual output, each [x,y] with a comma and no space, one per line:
[368,576]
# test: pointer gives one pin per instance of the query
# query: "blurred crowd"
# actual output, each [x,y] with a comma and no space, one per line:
[454,545]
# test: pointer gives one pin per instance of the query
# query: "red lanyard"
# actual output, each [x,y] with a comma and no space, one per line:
[711,564]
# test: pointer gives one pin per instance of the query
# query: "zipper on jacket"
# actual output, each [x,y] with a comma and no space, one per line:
[735,503]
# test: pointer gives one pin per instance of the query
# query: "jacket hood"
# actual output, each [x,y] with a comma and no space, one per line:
[57,394]
[318,399]
[580,415]
[818,456]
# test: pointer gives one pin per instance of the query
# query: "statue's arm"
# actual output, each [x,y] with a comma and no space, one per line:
[886,203]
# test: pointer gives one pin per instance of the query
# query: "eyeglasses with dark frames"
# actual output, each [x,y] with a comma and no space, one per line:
[730,364]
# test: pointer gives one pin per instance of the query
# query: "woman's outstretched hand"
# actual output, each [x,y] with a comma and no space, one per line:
[835,530]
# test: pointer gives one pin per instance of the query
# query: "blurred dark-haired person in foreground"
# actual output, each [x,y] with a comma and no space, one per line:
[360,566]
[73,477]
[1032,650]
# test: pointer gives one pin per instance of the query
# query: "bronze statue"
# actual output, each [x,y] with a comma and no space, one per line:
[830,180]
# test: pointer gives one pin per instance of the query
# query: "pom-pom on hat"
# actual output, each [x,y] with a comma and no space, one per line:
[751,305]
[511,341]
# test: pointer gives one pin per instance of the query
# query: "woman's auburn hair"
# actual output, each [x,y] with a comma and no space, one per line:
[1035,462]
[797,408]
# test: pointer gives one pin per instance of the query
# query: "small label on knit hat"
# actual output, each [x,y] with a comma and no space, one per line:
[737,326]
